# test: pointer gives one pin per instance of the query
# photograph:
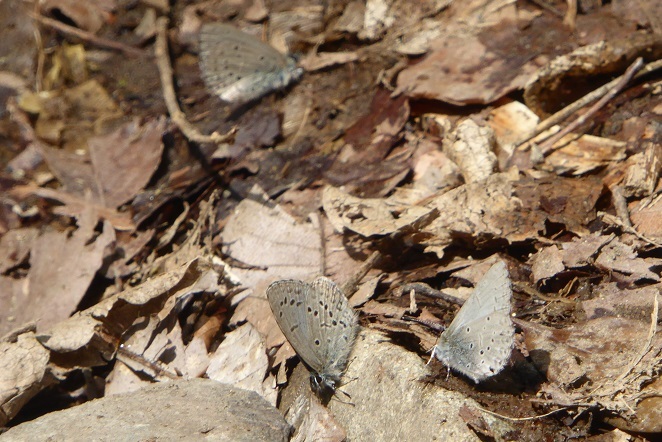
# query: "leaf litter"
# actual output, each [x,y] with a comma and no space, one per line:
[422,134]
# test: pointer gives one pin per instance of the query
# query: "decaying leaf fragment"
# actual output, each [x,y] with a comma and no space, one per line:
[471,147]
[370,216]
[241,360]
[91,337]
[460,68]
[587,363]
[480,209]
[23,373]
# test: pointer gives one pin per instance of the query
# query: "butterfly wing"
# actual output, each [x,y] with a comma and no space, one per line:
[239,67]
[337,328]
[317,321]
[479,341]
[295,317]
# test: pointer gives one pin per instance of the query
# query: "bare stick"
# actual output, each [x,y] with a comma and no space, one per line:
[564,113]
[88,36]
[350,286]
[547,147]
[165,72]
[570,18]
[424,289]
[520,419]
[41,56]
[617,222]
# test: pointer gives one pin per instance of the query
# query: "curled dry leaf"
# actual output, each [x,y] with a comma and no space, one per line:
[547,91]
[546,263]
[505,206]
[582,251]
[619,257]
[91,337]
[477,209]
[90,16]
[587,363]
[471,147]
[369,216]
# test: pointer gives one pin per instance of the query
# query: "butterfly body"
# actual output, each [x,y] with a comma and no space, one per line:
[479,341]
[320,325]
[240,68]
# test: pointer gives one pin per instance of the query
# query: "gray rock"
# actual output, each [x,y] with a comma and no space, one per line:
[391,401]
[199,409]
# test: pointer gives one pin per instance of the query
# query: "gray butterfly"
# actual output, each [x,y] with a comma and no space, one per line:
[240,68]
[479,341]
[319,324]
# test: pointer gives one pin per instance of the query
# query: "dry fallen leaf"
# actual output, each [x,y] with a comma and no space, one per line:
[23,373]
[241,360]
[271,244]
[125,160]
[312,421]
[462,69]
[62,267]
[369,216]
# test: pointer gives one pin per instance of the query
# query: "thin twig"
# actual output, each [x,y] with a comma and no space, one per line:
[41,57]
[617,222]
[88,36]
[547,147]
[564,113]
[165,72]
[519,419]
[647,346]
[160,369]
[570,19]
[424,289]
[560,404]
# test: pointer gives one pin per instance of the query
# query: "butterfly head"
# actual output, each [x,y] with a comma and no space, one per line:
[324,385]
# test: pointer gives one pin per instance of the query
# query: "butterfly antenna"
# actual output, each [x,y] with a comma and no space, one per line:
[337,397]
